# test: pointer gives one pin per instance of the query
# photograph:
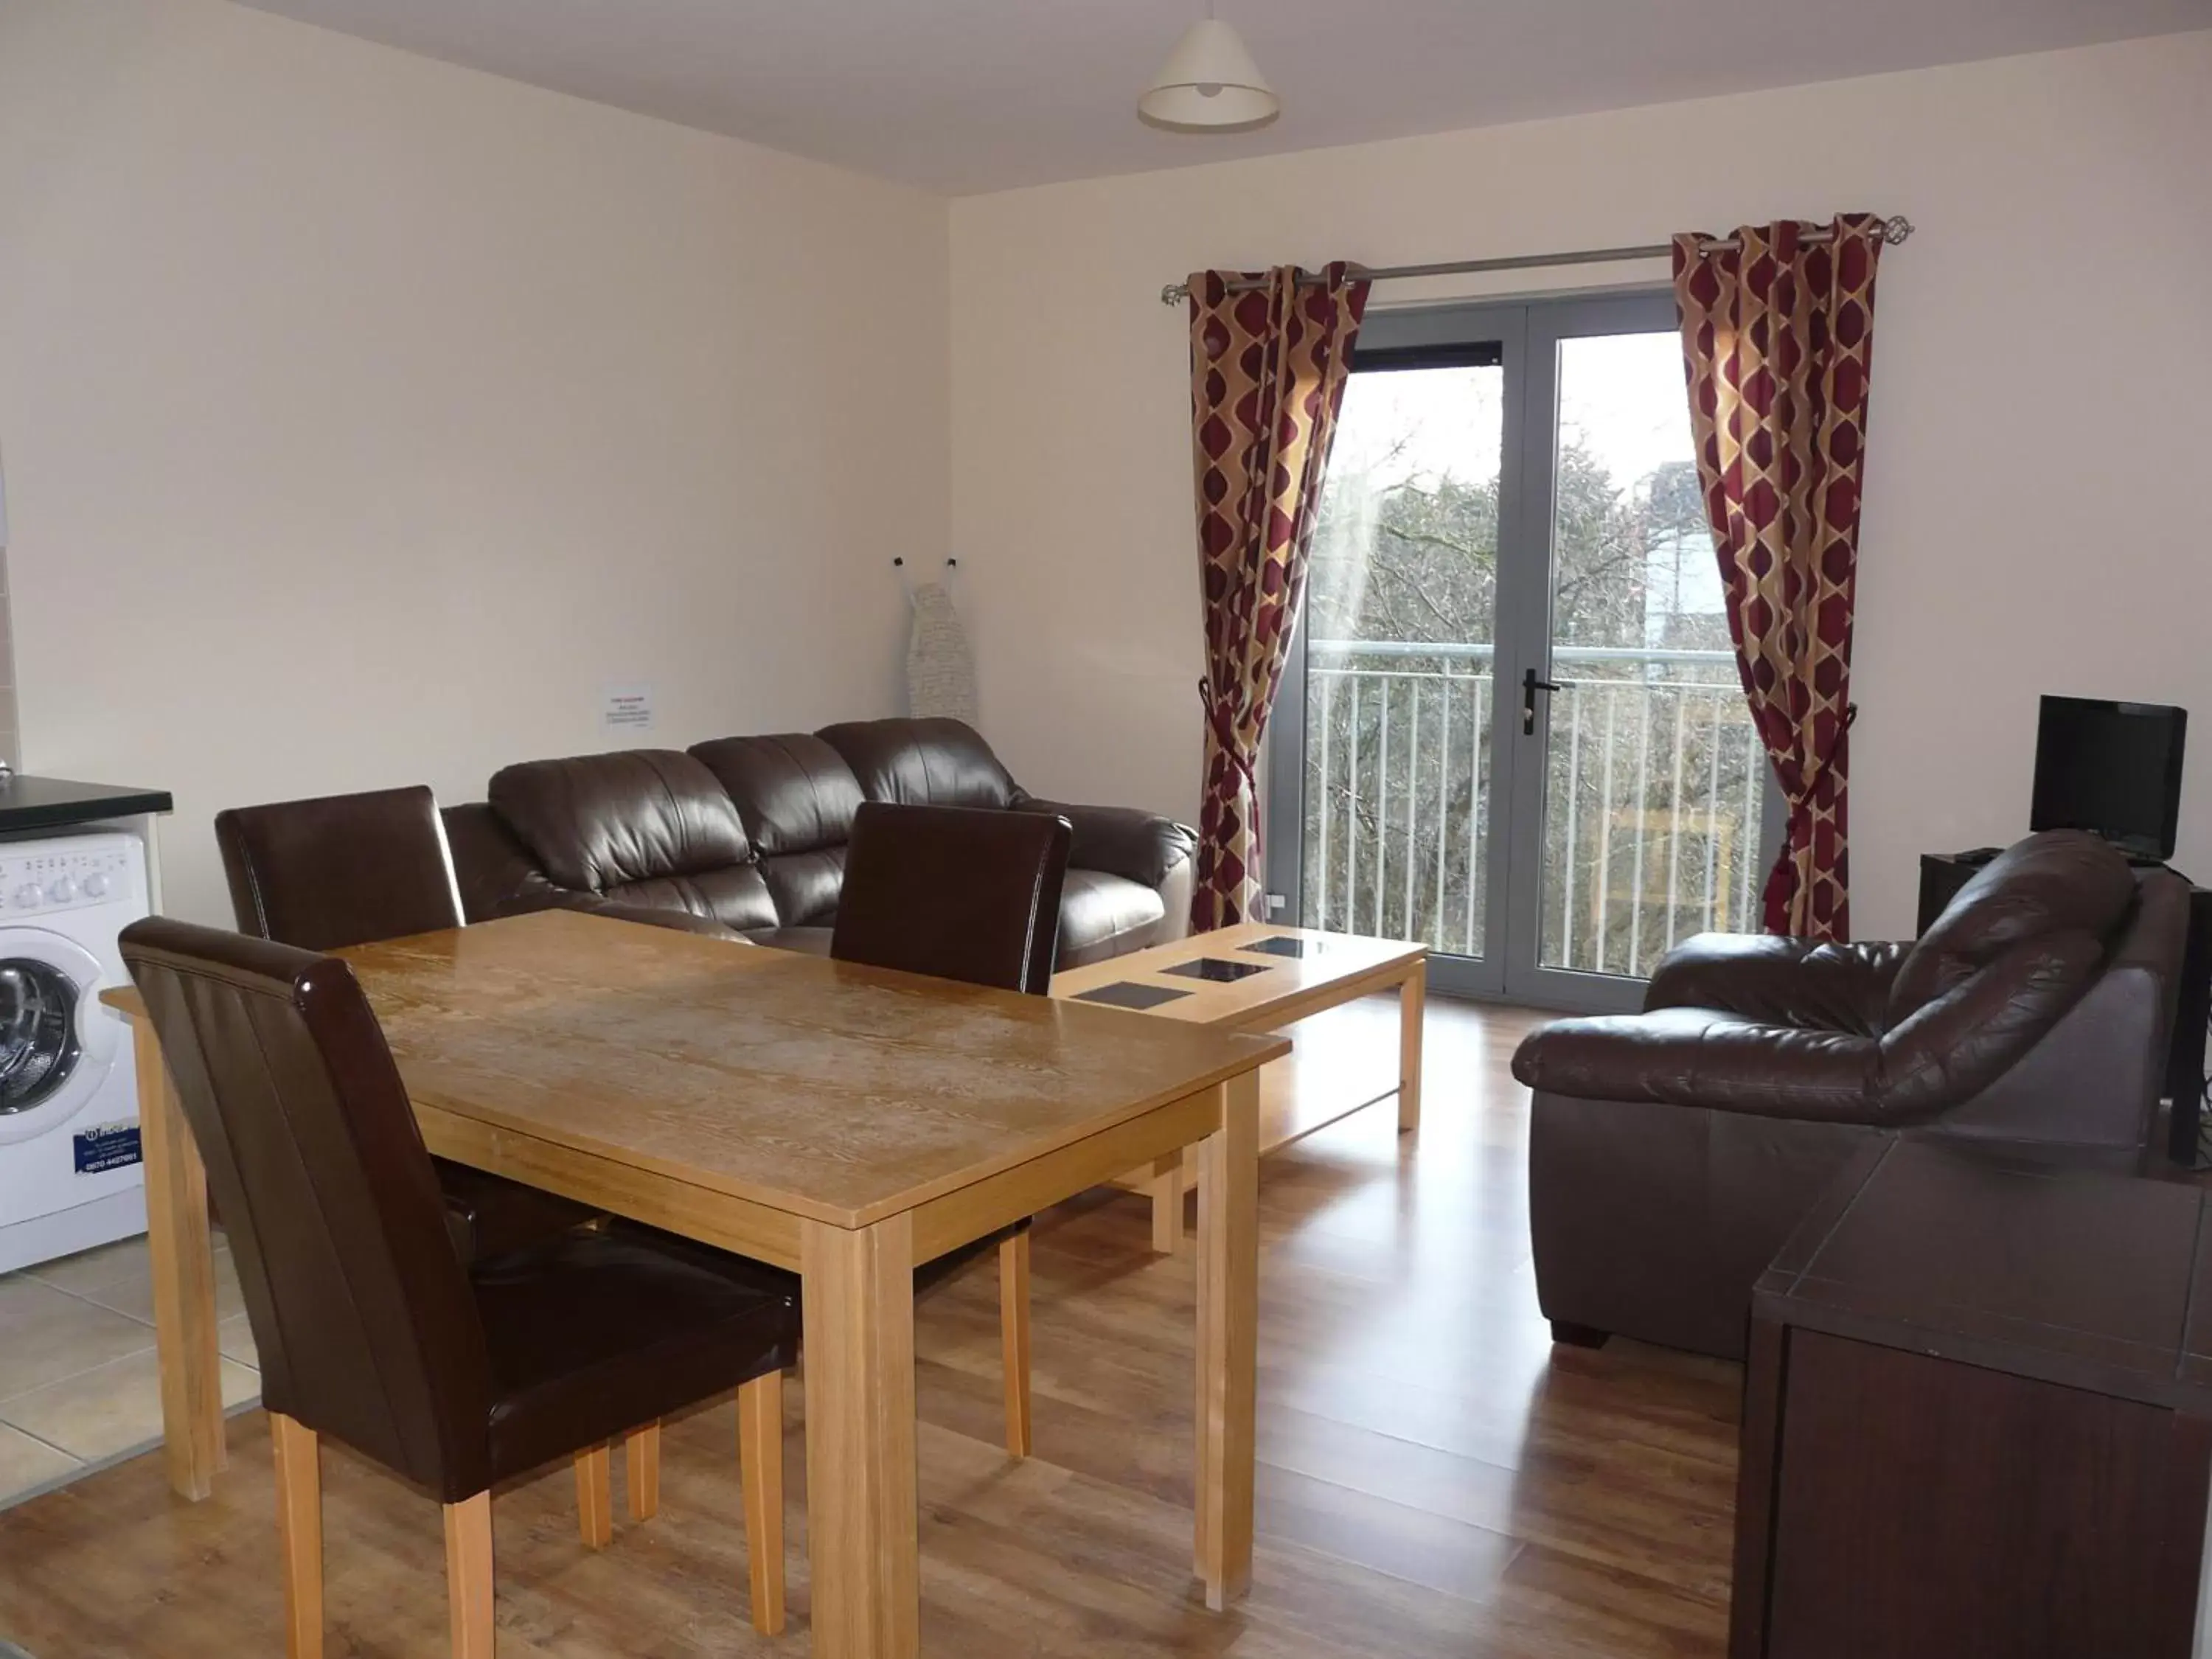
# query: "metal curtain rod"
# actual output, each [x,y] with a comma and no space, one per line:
[1895,231]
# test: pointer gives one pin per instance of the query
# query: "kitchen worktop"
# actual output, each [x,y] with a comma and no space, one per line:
[32,803]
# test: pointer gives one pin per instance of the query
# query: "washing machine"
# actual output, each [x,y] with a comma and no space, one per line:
[70,1171]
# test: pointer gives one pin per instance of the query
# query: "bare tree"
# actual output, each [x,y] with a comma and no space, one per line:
[1398,792]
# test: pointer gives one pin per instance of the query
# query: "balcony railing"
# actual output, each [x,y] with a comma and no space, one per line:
[1654,790]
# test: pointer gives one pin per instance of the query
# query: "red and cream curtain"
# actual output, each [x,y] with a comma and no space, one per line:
[1778,335]
[1267,371]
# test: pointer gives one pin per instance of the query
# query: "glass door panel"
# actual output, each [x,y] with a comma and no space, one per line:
[1400,645]
[1512,727]
[1652,777]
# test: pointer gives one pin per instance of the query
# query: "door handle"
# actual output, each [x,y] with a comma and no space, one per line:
[1530,685]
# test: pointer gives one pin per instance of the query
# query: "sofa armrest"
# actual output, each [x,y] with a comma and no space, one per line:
[2094,1081]
[1784,981]
[1943,1056]
[1121,840]
[2156,941]
[1702,1057]
[1948,1051]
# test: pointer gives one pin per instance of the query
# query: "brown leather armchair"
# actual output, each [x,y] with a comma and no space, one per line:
[1671,1152]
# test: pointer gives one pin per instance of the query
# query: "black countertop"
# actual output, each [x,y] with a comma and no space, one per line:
[28,803]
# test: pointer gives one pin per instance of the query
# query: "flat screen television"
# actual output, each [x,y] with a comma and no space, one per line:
[2113,769]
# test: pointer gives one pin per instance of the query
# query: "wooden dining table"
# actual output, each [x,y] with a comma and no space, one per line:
[845,1123]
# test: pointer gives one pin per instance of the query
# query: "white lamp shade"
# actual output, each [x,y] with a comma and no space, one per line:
[1210,82]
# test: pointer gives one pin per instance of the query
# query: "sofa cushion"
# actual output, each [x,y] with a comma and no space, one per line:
[596,822]
[797,798]
[930,762]
[1102,916]
[2059,881]
[811,941]
[793,792]
[646,826]
[735,896]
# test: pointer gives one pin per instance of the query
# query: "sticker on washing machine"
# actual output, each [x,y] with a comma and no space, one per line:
[105,1146]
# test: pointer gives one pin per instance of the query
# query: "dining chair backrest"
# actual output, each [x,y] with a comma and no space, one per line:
[340,870]
[959,892]
[366,1324]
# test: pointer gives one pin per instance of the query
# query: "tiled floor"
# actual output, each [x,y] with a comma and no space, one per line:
[77,1382]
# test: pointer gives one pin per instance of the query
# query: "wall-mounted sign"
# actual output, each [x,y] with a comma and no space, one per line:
[627,708]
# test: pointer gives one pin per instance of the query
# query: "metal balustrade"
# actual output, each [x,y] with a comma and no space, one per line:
[1654,782]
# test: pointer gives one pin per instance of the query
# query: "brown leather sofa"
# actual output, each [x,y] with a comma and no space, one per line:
[1671,1152]
[744,837]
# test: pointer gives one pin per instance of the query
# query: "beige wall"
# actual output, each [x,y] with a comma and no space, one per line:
[2040,427]
[364,417]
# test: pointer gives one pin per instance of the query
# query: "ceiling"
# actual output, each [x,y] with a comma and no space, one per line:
[968,95]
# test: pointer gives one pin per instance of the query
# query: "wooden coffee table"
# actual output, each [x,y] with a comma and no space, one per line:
[1257,977]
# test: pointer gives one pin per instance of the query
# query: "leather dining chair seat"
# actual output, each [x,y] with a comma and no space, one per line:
[553,1313]
[373,1331]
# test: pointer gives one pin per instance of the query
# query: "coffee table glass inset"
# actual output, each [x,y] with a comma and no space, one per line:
[1221,970]
[1287,944]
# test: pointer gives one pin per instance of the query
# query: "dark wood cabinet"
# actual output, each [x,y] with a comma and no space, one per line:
[1979,1418]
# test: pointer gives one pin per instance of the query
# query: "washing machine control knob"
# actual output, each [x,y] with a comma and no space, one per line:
[27,896]
[93,886]
[62,890]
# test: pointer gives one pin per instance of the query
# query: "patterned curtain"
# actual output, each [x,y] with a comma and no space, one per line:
[1777,336]
[1267,372]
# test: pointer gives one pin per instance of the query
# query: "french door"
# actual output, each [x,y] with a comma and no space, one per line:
[1511,724]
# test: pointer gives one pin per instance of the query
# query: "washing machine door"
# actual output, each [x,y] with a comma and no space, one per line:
[57,1044]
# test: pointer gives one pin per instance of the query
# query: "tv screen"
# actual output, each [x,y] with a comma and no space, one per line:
[2113,769]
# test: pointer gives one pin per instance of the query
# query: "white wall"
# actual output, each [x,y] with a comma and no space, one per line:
[365,416]
[2041,428]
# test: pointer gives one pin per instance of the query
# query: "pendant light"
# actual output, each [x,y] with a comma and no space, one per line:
[1210,84]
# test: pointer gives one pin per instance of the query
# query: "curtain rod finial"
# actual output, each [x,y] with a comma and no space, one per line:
[1895,230]
[1175,294]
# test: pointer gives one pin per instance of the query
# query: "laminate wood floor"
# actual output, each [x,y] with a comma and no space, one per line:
[1435,1479]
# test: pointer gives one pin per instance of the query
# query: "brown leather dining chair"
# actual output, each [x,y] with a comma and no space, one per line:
[338,870]
[959,893]
[955,892]
[372,1328]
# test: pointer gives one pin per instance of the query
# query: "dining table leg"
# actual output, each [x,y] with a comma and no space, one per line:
[181,1253]
[1167,1191]
[1228,1341]
[862,1524]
